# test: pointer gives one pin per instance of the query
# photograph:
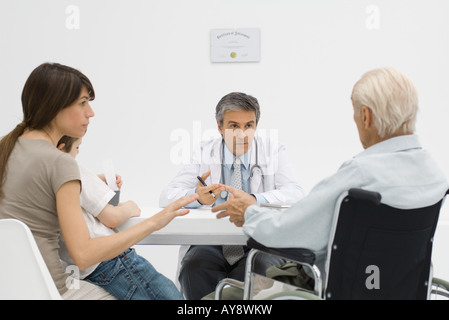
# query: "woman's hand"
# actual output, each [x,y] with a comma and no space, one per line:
[172,211]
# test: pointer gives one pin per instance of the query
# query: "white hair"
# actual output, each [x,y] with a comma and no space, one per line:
[392,98]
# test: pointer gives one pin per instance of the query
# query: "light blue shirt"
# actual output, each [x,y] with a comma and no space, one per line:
[227,167]
[399,169]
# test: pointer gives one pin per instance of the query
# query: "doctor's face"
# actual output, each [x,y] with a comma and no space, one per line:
[238,130]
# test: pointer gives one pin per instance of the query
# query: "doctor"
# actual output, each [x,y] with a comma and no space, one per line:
[240,159]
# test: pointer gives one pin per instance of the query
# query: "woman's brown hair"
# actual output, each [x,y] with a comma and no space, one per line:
[50,88]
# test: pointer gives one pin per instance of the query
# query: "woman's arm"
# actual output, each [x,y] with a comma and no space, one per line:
[87,251]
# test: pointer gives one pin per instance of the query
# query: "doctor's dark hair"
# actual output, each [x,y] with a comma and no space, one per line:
[50,88]
[236,101]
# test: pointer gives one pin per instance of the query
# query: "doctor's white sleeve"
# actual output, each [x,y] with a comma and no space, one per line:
[285,188]
[180,186]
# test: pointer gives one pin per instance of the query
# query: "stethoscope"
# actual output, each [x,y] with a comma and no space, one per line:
[224,194]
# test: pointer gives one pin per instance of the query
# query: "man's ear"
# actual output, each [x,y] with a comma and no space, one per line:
[367,117]
[61,146]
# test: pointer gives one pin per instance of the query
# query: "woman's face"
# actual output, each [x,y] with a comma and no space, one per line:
[74,120]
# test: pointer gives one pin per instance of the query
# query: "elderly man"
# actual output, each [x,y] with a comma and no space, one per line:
[257,166]
[393,163]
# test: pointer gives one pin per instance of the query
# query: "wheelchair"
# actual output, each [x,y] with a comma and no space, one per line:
[375,252]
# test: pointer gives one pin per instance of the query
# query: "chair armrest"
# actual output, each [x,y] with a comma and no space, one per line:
[296,254]
[440,288]
[374,197]
[227,282]
[440,282]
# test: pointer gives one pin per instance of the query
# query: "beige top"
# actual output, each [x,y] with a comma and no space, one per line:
[35,172]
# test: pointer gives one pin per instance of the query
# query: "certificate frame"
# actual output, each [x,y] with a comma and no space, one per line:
[235,45]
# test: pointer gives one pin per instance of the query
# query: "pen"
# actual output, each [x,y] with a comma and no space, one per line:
[204,184]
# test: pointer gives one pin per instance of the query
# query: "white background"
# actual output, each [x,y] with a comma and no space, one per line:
[149,62]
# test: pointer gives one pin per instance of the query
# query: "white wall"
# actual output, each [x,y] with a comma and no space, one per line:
[150,67]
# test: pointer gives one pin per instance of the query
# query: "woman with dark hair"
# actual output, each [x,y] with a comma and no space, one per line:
[40,185]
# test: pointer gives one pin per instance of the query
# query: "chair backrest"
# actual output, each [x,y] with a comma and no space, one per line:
[23,272]
[378,251]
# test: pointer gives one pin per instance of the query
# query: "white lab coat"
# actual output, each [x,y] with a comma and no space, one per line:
[279,183]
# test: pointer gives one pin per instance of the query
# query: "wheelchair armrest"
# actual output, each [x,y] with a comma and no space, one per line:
[296,254]
[440,288]
[440,282]
[227,282]
[374,197]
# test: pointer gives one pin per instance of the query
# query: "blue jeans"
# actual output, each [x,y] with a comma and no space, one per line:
[131,277]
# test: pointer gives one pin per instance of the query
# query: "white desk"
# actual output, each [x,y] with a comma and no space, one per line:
[199,226]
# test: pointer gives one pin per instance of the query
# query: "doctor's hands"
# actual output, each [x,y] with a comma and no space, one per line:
[205,198]
[236,206]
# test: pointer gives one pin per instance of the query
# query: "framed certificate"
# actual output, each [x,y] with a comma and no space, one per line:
[235,45]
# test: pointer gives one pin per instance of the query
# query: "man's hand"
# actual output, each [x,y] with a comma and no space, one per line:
[205,197]
[236,206]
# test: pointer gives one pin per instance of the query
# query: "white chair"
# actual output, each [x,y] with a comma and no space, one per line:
[23,272]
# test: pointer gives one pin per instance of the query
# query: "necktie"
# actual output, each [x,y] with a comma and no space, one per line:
[234,253]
